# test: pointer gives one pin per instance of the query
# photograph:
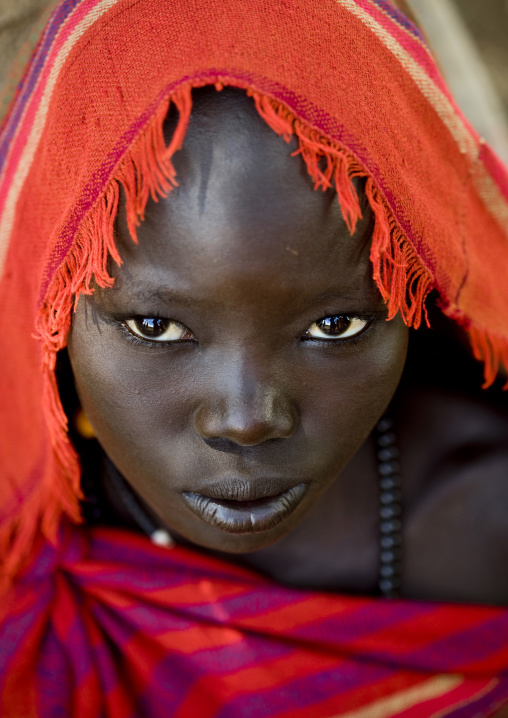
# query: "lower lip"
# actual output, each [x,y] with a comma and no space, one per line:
[246,517]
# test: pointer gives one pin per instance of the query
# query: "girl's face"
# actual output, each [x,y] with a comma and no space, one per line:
[243,355]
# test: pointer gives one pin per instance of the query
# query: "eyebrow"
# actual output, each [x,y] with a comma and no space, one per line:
[148,293]
[144,293]
[166,295]
[163,295]
[352,296]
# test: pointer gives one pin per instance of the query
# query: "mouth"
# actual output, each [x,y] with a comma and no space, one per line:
[245,515]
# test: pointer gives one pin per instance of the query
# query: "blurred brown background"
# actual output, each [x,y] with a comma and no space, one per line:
[487,21]
[469,38]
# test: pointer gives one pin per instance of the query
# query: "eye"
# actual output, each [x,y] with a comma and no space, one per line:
[338,326]
[156,329]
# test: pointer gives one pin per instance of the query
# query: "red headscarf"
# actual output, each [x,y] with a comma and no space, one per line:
[113,617]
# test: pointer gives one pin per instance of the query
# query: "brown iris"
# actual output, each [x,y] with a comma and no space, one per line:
[335,325]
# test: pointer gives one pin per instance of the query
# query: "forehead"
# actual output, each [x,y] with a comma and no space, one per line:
[245,207]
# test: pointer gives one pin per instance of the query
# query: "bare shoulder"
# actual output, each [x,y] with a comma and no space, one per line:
[454,463]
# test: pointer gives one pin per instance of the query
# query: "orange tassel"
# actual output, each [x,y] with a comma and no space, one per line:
[492,351]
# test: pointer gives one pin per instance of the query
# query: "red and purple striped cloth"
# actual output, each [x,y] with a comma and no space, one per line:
[110,626]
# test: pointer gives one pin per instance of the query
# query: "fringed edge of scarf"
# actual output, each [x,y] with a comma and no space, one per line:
[488,347]
[400,274]
[147,171]
[492,351]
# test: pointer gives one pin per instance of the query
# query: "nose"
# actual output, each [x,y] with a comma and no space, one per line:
[246,408]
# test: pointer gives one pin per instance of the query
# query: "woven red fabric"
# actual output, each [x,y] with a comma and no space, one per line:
[110,626]
[87,118]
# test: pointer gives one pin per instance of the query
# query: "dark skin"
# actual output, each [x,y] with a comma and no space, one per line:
[245,345]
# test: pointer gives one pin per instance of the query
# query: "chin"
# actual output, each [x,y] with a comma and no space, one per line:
[214,538]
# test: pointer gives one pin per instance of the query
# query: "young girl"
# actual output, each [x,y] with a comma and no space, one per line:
[224,444]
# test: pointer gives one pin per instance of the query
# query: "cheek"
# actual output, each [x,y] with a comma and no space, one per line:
[131,401]
[347,396]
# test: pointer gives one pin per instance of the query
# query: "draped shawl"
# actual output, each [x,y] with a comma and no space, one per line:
[128,629]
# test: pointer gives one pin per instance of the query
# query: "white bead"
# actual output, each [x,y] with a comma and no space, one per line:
[160,537]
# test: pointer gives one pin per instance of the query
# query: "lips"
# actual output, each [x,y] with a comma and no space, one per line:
[245,507]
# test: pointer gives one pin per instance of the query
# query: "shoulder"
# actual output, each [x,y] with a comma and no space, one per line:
[454,462]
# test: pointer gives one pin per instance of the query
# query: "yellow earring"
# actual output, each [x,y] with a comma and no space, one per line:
[82,425]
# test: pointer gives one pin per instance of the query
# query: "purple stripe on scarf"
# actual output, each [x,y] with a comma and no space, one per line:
[399,18]
[55,679]
[174,677]
[114,624]
[148,618]
[454,653]
[251,651]
[153,621]
[229,610]
[32,74]
[119,578]
[14,630]
[176,672]
[367,620]
[152,572]
[258,602]
[304,691]
[493,701]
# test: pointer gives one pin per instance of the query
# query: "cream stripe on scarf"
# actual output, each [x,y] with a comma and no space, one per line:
[426,85]
[405,699]
[488,190]
[491,195]
[27,156]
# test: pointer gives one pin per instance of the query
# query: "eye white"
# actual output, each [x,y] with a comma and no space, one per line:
[325,329]
[159,330]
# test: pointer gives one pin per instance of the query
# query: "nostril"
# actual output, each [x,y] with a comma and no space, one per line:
[246,421]
[226,445]
[231,447]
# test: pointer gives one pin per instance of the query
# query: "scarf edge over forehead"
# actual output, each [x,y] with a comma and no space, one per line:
[406,264]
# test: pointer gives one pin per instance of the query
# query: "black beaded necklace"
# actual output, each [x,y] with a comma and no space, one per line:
[390,510]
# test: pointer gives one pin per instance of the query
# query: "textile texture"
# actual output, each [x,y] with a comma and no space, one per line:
[109,625]
[133,630]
